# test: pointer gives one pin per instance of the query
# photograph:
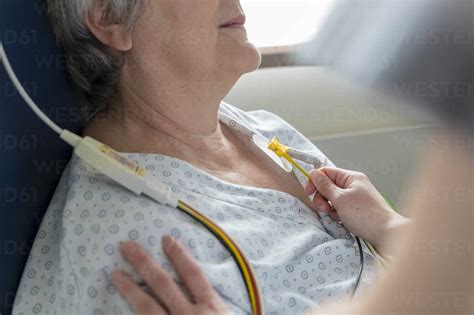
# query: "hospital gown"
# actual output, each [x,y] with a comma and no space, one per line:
[302,261]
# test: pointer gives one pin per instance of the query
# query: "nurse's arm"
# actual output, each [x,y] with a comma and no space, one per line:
[433,272]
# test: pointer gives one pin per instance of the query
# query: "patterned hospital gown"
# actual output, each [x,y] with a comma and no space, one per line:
[302,262]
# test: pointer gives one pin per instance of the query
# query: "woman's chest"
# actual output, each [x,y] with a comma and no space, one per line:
[265,175]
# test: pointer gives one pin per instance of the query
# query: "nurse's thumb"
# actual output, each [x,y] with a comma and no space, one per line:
[324,185]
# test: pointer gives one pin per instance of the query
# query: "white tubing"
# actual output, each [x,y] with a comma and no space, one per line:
[24,94]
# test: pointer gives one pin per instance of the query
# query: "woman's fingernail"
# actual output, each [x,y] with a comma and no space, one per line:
[168,241]
[128,247]
[117,276]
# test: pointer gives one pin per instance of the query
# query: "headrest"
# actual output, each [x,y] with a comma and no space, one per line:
[32,157]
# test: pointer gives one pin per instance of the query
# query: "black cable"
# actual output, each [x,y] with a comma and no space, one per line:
[361,266]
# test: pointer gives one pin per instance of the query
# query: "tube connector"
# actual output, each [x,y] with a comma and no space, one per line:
[71,138]
[282,151]
[279,149]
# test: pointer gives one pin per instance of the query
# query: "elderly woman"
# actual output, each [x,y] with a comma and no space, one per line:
[154,74]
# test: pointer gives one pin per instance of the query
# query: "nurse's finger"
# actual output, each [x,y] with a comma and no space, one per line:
[320,203]
[333,214]
[325,185]
[341,177]
[309,188]
[155,277]
[138,299]
[188,270]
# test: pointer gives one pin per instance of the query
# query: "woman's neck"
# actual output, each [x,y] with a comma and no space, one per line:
[181,124]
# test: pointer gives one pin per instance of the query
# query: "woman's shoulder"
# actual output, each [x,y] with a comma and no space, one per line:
[89,196]
[77,244]
[260,119]
[90,213]
[269,125]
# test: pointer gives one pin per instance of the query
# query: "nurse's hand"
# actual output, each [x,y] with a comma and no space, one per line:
[204,301]
[356,202]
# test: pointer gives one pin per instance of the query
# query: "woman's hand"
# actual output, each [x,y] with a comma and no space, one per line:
[355,201]
[204,299]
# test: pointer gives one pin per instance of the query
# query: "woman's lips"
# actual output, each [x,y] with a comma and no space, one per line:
[235,26]
[237,22]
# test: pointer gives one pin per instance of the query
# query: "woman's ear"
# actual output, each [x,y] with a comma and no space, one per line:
[116,36]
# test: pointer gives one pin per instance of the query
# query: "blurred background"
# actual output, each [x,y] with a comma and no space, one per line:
[368,81]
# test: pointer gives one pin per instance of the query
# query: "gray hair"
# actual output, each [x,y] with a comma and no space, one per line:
[93,67]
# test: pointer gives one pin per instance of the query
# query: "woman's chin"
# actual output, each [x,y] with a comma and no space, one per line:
[238,60]
[249,58]
[257,61]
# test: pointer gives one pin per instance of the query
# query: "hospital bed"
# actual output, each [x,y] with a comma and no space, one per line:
[349,125]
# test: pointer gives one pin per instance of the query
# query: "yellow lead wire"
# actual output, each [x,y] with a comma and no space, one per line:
[290,159]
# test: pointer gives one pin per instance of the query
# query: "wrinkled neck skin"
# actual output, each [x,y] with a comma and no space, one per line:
[167,113]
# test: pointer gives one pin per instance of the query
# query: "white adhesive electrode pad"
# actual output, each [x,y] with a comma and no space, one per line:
[262,143]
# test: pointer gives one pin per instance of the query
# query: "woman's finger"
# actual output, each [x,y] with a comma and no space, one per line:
[188,270]
[155,277]
[140,301]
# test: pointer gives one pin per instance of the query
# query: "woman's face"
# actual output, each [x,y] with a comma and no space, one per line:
[192,39]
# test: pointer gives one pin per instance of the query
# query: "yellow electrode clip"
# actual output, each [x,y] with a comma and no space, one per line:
[282,151]
[278,148]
